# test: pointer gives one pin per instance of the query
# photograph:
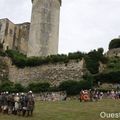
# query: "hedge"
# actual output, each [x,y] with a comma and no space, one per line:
[115,43]
[92,59]
[71,87]
[35,87]
[3,54]
[110,77]
[74,87]
[39,87]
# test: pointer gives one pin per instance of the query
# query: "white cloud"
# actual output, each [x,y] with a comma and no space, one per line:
[88,24]
[16,11]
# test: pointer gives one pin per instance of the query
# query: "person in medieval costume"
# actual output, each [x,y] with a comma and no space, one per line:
[5,102]
[23,103]
[16,100]
[1,102]
[30,103]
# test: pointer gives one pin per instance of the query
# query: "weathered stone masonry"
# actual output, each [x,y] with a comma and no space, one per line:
[4,71]
[44,28]
[52,73]
[14,36]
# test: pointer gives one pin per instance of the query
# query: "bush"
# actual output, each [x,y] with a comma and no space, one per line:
[1,46]
[58,58]
[115,43]
[110,77]
[2,54]
[90,79]
[113,64]
[74,87]
[71,87]
[10,87]
[18,88]
[76,55]
[54,89]
[39,87]
[17,58]
[92,59]
[35,87]
[21,60]
[6,86]
[92,65]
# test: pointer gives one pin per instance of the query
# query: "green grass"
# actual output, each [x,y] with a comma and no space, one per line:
[69,110]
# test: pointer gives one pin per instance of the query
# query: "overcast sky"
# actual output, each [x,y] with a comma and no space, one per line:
[84,24]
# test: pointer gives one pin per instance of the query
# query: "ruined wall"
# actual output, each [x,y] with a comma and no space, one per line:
[10,30]
[14,36]
[7,29]
[23,37]
[3,70]
[53,73]
[113,52]
[2,30]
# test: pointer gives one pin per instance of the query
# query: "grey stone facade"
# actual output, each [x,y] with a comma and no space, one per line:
[113,52]
[14,36]
[52,73]
[4,70]
[44,29]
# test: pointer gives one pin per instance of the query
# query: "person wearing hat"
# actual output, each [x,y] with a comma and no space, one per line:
[0,102]
[30,103]
[16,100]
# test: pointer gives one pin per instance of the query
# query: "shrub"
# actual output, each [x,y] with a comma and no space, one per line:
[39,87]
[89,79]
[115,43]
[110,77]
[10,87]
[71,87]
[2,54]
[6,86]
[1,46]
[74,87]
[54,89]
[92,60]
[113,64]
[18,88]
[21,60]
[76,55]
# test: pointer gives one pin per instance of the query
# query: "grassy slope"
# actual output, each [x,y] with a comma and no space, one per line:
[70,110]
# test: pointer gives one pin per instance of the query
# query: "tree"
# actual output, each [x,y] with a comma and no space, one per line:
[115,43]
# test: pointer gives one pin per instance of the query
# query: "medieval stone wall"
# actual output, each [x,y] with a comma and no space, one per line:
[3,70]
[23,37]
[44,28]
[113,52]
[2,30]
[14,36]
[53,73]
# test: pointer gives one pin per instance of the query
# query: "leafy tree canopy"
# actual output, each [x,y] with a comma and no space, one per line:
[115,43]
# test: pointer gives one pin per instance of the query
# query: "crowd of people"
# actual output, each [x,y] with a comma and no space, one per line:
[17,103]
[53,96]
[23,103]
[113,94]
[95,95]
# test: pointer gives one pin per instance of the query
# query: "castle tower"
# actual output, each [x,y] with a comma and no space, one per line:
[44,29]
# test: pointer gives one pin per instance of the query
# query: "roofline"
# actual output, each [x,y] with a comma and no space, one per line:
[7,20]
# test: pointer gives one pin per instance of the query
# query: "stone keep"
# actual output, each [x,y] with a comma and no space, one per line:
[44,29]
